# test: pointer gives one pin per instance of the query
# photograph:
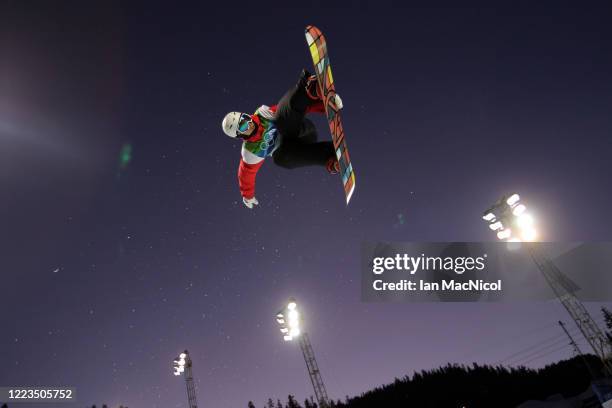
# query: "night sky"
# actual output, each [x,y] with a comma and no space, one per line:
[109,271]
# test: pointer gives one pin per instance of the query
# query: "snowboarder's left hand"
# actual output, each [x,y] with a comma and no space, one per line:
[338,101]
[250,202]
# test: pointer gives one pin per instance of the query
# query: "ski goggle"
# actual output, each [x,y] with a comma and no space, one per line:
[244,123]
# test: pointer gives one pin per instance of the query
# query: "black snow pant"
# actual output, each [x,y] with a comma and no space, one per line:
[299,146]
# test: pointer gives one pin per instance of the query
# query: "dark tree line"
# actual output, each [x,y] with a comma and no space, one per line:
[104,406]
[291,403]
[474,386]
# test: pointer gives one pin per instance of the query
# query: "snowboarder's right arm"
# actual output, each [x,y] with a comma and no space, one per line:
[246,178]
[247,171]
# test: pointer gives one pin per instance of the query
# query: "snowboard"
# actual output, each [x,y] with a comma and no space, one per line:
[320,58]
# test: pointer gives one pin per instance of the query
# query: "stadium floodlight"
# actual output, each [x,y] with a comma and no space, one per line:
[496,225]
[511,223]
[513,199]
[181,362]
[489,216]
[289,321]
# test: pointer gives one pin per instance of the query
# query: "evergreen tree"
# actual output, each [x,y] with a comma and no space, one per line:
[608,320]
[309,403]
[292,403]
[251,405]
[270,403]
[607,317]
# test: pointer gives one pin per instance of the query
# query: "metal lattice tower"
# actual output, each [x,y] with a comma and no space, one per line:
[563,289]
[183,365]
[313,371]
[191,395]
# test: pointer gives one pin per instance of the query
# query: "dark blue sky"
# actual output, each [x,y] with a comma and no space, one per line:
[446,108]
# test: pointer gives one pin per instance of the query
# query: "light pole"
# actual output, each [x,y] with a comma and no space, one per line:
[509,218]
[290,322]
[182,365]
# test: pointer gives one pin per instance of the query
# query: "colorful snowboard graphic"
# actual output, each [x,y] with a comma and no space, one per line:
[318,49]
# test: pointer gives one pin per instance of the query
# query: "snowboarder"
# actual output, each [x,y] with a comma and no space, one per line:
[283,132]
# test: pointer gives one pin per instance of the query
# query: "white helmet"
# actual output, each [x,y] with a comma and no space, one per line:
[230,123]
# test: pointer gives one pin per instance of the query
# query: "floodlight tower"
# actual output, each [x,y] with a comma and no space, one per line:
[290,322]
[509,219]
[182,365]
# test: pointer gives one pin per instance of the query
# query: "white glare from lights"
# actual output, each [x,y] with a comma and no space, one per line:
[519,209]
[182,355]
[289,321]
[525,221]
[529,234]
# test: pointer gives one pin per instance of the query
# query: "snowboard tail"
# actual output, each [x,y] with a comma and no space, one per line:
[327,90]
